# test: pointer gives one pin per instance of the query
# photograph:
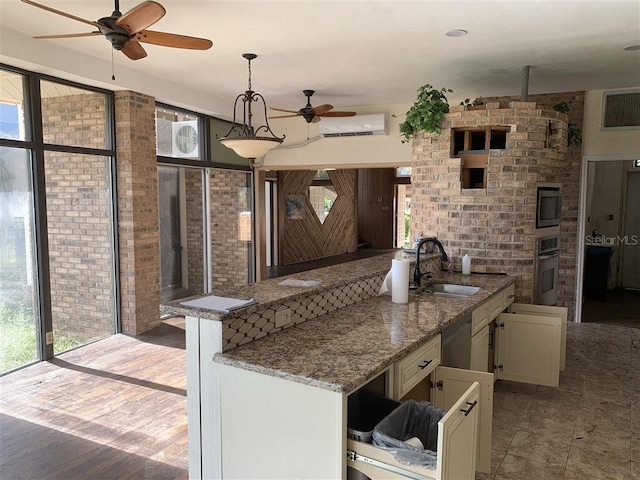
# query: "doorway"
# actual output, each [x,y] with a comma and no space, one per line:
[609,274]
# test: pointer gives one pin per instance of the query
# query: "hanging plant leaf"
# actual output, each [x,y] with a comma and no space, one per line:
[426,113]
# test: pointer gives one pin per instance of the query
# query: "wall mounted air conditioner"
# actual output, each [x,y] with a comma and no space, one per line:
[184,139]
[375,124]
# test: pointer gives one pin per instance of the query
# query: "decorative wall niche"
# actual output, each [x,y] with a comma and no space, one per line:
[472,147]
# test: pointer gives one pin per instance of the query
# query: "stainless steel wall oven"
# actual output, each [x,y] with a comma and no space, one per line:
[545,276]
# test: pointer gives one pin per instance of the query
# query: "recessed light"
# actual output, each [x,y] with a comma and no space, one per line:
[631,48]
[456,33]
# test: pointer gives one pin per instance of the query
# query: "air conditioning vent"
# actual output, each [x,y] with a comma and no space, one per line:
[621,110]
[375,124]
[184,139]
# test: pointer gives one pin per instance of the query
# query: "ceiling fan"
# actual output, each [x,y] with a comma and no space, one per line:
[312,114]
[126,32]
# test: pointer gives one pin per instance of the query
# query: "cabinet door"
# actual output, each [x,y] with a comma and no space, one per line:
[528,349]
[547,311]
[458,437]
[449,384]
[480,350]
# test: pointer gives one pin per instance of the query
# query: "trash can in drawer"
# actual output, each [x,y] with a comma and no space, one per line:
[364,411]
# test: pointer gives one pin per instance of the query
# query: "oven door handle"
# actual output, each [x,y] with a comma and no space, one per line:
[547,256]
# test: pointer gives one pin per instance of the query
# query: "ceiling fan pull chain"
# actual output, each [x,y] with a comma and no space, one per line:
[113,67]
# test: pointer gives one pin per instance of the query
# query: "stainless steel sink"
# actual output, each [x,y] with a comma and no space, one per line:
[452,290]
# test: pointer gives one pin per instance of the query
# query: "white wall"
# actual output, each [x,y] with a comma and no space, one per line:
[339,152]
[606,142]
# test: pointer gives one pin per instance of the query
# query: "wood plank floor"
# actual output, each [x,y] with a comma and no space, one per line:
[114,409]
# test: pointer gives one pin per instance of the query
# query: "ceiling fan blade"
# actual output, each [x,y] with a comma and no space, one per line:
[173,40]
[68,35]
[285,110]
[134,50]
[141,17]
[65,14]
[320,109]
[337,114]
[285,116]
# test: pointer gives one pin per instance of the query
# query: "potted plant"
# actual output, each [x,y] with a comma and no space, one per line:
[426,113]
[574,134]
[478,103]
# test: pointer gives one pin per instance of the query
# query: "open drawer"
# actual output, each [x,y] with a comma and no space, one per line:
[457,438]
[449,386]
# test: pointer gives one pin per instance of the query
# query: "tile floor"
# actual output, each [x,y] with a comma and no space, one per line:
[589,428]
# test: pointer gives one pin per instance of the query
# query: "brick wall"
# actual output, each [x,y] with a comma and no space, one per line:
[495,225]
[137,211]
[231,248]
[195,230]
[79,218]
[571,173]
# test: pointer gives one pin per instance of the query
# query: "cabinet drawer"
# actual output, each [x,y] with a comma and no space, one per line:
[416,366]
[479,318]
[509,295]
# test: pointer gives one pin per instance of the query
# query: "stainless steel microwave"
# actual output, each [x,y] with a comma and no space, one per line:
[548,207]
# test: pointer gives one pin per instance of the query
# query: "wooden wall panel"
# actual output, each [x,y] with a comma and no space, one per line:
[307,238]
[376,207]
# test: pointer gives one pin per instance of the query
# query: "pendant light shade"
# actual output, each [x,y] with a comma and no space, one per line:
[243,138]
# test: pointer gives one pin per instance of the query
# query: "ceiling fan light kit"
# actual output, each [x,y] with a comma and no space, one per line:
[243,138]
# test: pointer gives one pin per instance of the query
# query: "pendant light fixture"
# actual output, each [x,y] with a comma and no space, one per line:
[243,138]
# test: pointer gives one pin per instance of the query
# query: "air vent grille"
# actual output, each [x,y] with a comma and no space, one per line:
[621,110]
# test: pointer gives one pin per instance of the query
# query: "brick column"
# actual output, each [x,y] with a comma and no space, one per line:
[137,186]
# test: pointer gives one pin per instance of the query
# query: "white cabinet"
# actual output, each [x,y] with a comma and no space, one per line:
[547,311]
[530,344]
[529,340]
[457,436]
[528,349]
[416,366]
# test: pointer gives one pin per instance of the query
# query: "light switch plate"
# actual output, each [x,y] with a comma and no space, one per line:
[49,338]
[283,317]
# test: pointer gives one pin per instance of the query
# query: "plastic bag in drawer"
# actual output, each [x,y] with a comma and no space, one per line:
[411,419]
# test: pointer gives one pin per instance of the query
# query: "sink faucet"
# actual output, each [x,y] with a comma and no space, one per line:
[417,274]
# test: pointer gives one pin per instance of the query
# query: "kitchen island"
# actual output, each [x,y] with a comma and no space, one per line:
[273,405]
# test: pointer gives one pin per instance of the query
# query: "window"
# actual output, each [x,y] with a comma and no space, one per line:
[58,231]
[205,212]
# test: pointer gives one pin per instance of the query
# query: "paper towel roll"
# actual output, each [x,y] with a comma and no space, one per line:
[400,280]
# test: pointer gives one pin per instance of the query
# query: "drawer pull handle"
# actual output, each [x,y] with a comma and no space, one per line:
[424,364]
[511,296]
[471,405]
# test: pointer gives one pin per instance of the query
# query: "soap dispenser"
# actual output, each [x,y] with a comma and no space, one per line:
[466,265]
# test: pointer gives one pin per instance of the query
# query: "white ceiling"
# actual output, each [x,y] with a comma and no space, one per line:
[353,53]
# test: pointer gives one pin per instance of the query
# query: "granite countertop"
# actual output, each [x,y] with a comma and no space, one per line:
[342,350]
[268,292]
